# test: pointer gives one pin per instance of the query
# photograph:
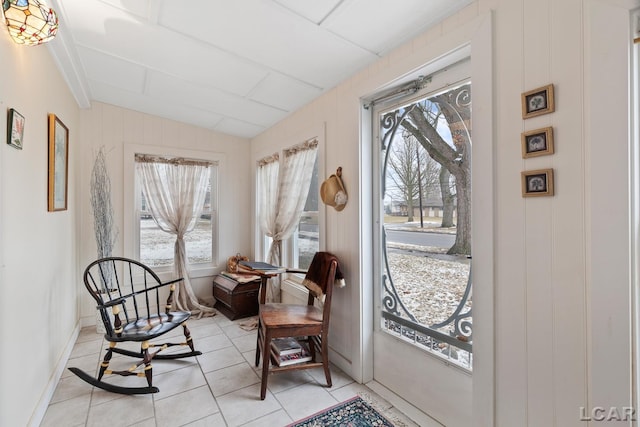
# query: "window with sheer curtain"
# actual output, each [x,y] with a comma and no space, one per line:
[288,206]
[156,246]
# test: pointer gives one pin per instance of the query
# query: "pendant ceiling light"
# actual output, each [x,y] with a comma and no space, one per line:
[30,22]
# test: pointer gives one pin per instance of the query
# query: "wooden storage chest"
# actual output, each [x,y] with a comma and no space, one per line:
[236,300]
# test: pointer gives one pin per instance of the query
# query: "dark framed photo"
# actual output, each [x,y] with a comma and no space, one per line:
[537,183]
[538,101]
[15,128]
[58,164]
[537,142]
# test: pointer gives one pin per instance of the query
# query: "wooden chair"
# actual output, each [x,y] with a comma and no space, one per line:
[131,311]
[308,323]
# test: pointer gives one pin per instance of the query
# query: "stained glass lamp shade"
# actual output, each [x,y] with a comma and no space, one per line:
[30,22]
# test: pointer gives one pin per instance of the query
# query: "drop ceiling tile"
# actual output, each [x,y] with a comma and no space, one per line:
[169,89]
[388,24]
[271,36]
[128,37]
[136,7]
[132,101]
[112,71]
[283,92]
[313,10]
[236,127]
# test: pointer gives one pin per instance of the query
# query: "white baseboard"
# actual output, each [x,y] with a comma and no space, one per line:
[43,404]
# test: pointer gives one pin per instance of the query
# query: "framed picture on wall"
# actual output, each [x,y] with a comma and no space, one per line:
[58,164]
[537,183]
[537,102]
[537,142]
[15,128]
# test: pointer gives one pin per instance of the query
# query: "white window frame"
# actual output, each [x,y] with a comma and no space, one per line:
[131,232]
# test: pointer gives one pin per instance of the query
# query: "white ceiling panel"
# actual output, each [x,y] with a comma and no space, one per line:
[149,105]
[399,22]
[156,48]
[162,86]
[239,128]
[283,92]
[313,10]
[233,66]
[283,42]
[112,71]
[135,7]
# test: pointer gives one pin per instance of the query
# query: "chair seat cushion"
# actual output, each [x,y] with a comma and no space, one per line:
[289,315]
[150,327]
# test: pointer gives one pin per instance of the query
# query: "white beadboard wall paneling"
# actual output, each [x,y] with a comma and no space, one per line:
[607,184]
[539,222]
[510,299]
[343,150]
[568,387]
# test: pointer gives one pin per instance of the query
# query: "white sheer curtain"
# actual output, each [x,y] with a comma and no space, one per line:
[268,178]
[174,190]
[281,209]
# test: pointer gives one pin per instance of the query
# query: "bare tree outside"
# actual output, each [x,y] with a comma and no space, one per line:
[422,120]
[413,172]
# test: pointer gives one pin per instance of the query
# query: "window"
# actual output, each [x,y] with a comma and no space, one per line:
[305,240]
[295,216]
[156,246]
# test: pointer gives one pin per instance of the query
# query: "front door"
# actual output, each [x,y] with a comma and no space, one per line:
[423,340]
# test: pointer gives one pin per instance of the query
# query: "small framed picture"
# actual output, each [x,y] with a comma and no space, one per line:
[538,101]
[15,129]
[537,183]
[58,164]
[537,142]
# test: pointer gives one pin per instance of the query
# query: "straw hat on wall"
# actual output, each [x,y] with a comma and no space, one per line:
[332,191]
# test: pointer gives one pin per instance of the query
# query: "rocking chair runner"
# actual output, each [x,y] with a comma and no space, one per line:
[130,291]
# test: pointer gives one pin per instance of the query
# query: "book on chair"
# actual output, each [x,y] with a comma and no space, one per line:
[285,346]
[292,359]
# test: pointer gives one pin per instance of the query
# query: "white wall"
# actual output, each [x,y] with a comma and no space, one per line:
[114,127]
[561,283]
[38,262]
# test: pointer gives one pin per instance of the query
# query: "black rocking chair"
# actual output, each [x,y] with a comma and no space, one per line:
[128,296]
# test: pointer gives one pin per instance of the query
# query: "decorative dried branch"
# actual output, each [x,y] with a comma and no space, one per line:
[103,225]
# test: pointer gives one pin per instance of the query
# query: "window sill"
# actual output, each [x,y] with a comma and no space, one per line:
[166,272]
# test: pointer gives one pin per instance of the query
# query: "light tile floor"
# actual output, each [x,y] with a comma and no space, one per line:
[219,388]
